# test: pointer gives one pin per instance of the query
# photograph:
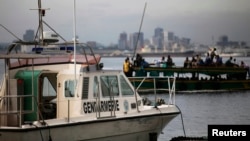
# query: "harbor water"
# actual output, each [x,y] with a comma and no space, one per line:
[198,109]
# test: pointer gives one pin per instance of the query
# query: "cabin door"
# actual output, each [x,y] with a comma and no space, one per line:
[47,95]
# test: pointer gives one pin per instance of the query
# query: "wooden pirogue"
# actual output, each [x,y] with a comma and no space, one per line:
[199,79]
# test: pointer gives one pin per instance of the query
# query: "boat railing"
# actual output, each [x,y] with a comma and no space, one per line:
[12,109]
[170,89]
[98,101]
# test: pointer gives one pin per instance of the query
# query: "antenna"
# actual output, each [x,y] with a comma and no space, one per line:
[74,38]
[41,13]
[139,31]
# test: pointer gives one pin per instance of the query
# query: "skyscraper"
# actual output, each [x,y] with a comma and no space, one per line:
[158,32]
[158,39]
[137,40]
[123,41]
[29,35]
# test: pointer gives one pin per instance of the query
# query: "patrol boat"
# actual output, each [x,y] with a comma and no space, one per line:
[60,95]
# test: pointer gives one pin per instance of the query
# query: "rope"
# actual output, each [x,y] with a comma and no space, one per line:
[182,122]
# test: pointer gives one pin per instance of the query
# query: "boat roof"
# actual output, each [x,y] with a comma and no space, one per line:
[25,60]
[22,56]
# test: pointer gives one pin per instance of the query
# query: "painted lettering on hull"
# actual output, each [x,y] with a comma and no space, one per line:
[105,106]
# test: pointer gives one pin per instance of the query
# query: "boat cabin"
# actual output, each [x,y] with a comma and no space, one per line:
[40,92]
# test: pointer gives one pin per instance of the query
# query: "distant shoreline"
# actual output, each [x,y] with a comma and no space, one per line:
[189,54]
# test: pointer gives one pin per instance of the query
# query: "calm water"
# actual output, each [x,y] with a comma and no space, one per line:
[198,110]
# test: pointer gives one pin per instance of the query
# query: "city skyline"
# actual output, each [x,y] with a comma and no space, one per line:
[128,40]
[29,35]
[104,20]
[158,32]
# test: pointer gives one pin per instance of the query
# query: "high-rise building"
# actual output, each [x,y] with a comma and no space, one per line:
[29,35]
[131,42]
[138,39]
[171,36]
[123,41]
[158,32]
[170,40]
[223,40]
[185,41]
[158,38]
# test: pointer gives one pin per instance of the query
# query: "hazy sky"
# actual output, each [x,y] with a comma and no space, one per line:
[104,20]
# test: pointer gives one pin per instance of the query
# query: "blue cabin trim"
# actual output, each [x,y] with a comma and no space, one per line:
[68,48]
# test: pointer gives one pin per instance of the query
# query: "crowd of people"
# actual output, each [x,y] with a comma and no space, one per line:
[141,62]
[198,61]
[211,59]
[167,63]
[214,59]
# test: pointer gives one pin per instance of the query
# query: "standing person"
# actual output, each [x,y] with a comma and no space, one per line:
[138,60]
[163,62]
[244,65]
[235,63]
[193,62]
[130,67]
[229,62]
[144,63]
[219,61]
[163,59]
[126,67]
[208,60]
[199,60]
[187,63]
[170,62]
[213,54]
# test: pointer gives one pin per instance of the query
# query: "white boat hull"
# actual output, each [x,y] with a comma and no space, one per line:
[122,129]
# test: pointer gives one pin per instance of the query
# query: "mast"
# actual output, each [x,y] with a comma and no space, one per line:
[138,36]
[74,38]
[41,13]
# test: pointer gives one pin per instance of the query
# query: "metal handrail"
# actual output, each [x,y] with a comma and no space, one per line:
[18,110]
[171,88]
[111,97]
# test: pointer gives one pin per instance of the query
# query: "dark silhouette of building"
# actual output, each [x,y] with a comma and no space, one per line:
[29,35]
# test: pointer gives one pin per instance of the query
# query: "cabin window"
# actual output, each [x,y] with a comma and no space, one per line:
[48,89]
[69,90]
[109,86]
[95,87]
[125,87]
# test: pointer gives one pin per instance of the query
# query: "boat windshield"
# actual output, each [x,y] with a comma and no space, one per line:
[125,88]
[109,85]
